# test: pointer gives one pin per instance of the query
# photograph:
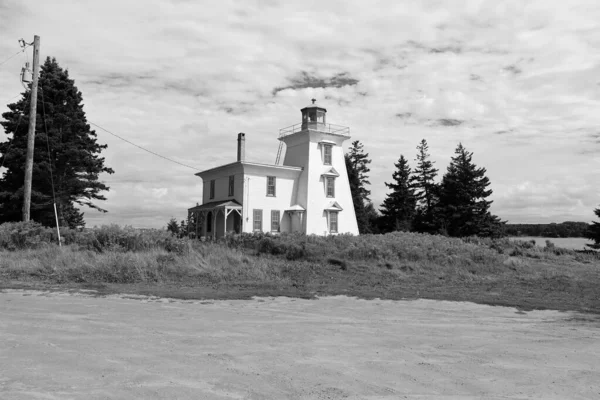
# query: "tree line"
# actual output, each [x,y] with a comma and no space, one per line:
[455,206]
[561,230]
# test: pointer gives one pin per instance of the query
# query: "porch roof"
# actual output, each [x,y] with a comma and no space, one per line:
[230,204]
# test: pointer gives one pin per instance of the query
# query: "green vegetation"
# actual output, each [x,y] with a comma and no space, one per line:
[67,159]
[396,265]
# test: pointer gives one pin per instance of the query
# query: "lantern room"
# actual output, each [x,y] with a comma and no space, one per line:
[313,116]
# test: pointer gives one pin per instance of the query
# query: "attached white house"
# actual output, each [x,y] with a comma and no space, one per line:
[308,193]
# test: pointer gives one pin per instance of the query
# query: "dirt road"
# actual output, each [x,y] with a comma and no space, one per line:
[74,346]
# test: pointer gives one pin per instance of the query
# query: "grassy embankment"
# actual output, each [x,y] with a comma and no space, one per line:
[393,266]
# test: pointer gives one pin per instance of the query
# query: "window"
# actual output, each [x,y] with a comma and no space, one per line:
[274,220]
[231,184]
[330,191]
[209,222]
[212,189]
[327,154]
[333,221]
[257,226]
[271,186]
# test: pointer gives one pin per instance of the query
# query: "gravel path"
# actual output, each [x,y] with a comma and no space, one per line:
[76,346]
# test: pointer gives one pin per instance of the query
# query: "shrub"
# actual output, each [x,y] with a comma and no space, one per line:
[294,252]
[335,261]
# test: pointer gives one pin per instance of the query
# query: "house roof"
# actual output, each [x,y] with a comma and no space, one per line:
[216,204]
[250,164]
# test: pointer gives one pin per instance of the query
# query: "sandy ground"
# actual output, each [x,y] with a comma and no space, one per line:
[74,346]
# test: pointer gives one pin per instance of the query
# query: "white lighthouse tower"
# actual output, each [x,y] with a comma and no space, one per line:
[323,189]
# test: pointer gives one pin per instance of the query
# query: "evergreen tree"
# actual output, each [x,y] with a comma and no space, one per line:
[360,210]
[593,232]
[173,227]
[425,189]
[399,207]
[73,157]
[359,162]
[462,208]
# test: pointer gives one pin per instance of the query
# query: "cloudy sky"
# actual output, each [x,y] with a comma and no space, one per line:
[517,82]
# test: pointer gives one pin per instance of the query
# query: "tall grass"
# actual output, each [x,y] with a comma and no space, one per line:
[114,254]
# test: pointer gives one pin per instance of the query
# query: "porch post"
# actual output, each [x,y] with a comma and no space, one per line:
[214,222]
[196,220]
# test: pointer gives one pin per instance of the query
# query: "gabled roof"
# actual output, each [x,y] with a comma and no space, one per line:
[216,204]
[330,172]
[333,206]
[244,164]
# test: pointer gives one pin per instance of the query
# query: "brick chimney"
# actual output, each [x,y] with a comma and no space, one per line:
[241,148]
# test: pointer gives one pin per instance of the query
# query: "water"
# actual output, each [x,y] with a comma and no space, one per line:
[565,243]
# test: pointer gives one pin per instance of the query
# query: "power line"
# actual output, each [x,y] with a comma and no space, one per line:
[14,55]
[142,148]
[48,145]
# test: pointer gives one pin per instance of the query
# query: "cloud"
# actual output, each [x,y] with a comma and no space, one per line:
[515,82]
[304,80]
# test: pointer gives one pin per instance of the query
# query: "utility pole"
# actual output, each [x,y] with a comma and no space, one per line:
[31,132]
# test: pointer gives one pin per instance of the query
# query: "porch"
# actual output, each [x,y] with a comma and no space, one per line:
[216,219]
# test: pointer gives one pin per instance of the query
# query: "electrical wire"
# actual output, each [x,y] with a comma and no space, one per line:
[48,145]
[142,148]
[14,55]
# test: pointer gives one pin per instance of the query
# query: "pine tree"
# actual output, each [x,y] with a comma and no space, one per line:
[593,232]
[425,189]
[73,158]
[399,207]
[173,227]
[362,218]
[359,162]
[462,207]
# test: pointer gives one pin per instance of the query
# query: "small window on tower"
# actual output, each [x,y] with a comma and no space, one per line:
[333,221]
[327,154]
[330,186]
[212,189]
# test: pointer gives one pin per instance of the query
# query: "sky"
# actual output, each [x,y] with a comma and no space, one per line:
[516,82]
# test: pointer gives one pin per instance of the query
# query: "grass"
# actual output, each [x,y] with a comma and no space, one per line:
[393,266]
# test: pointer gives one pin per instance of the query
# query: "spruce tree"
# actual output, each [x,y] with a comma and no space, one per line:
[359,161]
[399,207]
[593,232]
[425,189]
[73,158]
[462,207]
[362,218]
